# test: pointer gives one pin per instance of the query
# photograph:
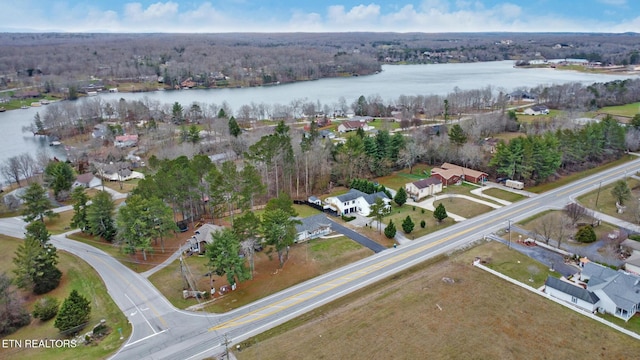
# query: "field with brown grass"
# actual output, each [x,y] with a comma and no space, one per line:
[416,315]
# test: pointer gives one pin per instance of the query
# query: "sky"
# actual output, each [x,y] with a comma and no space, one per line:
[215,16]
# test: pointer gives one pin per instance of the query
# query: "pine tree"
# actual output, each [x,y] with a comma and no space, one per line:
[401,197]
[440,213]
[36,261]
[100,216]
[586,234]
[36,204]
[80,198]
[408,225]
[390,230]
[234,128]
[621,192]
[74,313]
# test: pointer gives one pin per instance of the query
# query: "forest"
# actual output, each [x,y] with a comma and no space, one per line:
[54,61]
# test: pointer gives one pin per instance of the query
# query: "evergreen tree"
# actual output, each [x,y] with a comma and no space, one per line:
[282,202]
[440,213]
[457,135]
[74,313]
[177,113]
[279,230]
[36,204]
[621,192]
[234,128]
[401,196]
[224,256]
[408,225]
[423,224]
[193,135]
[80,199]
[390,230]
[36,261]
[59,176]
[100,216]
[46,308]
[586,234]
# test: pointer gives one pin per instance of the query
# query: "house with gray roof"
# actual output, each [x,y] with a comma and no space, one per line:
[201,237]
[632,263]
[420,189]
[571,293]
[312,227]
[356,201]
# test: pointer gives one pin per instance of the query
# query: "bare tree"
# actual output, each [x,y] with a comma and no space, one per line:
[27,166]
[575,212]
[562,229]
[10,169]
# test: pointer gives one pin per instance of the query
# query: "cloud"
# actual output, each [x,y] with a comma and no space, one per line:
[157,11]
[357,15]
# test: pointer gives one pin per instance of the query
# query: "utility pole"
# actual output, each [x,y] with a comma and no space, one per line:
[598,195]
[509,245]
[226,346]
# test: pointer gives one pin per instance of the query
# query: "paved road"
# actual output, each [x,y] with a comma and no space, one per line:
[163,332]
[360,239]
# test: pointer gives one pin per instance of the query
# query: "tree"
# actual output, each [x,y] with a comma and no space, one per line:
[46,308]
[279,230]
[100,216]
[401,196]
[193,135]
[282,202]
[586,234]
[74,313]
[423,224]
[408,225]
[36,261]
[177,113]
[621,192]
[390,230]
[440,213]
[378,211]
[224,256]
[234,128]
[10,169]
[13,315]
[247,230]
[575,212]
[59,176]
[36,204]
[80,198]
[457,135]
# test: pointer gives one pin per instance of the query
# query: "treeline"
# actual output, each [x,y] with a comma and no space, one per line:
[537,157]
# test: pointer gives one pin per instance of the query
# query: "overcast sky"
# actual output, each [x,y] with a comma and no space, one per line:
[319,16]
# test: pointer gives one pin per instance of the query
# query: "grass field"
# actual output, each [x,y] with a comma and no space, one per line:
[305,261]
[415,315]
[60,223]
[80,276]
[607,203]
[628,110]
[398,179]
[463,207]
[504,195]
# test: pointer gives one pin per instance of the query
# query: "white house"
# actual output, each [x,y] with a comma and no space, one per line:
[571,293]
[423,188]
[537,110]
[87,180]
[618,291]
[123,141]
[312,227]
[201,237]
[353,125]
[632,263]
[356,201]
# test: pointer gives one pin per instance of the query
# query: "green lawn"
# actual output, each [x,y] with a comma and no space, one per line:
[606,203]
[400,178]
[383,124]
[463,207]
[60,223]
[398,214]
[628,110]
[504,195]
[516,265]
[77,275]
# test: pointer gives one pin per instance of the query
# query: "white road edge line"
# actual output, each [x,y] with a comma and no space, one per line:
[141,314]
[145,338]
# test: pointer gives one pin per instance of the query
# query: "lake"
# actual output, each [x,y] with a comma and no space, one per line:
[389,84]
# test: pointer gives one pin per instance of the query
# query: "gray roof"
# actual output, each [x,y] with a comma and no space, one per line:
[424,183]
[572,290]
[351,195]
[203,233]
[312,223]
[371,198]
[593,270]
[624,290]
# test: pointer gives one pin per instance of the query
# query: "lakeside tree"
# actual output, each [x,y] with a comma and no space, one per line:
[37,205]
[440,213]
[13,315]
[279,230]
[234,128]
[74,313]
[10,170]
[621,192]
[59,177]
[224,256]
[401,196]
[80,199]
[177,113]
[390,230]
[100,216]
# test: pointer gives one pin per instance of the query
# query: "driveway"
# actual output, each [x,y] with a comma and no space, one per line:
[360,239]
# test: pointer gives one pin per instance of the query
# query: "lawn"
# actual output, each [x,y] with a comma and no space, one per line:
[628,110]
[400,178]
[398,214]
[306,261]
[383,124]
[77,275]
[127,186]
[463,207]
[564,180]
[504,195]
[416,315]
[60,223]
[606,203]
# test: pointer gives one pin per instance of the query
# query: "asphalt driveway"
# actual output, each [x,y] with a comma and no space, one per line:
[359,238]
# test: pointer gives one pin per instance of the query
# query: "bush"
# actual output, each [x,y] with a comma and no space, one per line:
[348,218]
[46,308]
[74,313]
[408,225]
[423,224]
[586,234]
[390,230]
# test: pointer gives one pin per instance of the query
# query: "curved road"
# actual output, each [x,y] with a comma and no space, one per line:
[161,331]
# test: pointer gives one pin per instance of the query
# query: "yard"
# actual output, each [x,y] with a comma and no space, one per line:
[628,110]
[463,207]
[479,316]
[504,194]
[77,275]
[398,214]
[306,261]
[399,178]
[606,203]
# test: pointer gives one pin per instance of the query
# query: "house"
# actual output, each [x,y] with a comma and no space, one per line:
[312,227]
[117,172]
[356,201]
[632,263]
[353,125]
[537,110]
[201,237]
[571,293]
[314,200]
[124,141]
[99,131]
[451,174]
[521,95]
[326,134]
[423,188]
[618,291]
[87,180]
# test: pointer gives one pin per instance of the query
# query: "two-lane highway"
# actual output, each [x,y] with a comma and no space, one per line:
[164,332]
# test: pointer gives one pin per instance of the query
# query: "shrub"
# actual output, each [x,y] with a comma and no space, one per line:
[74,313]
[348,218]
[586,234]
[46,308]
[390,230]
[423,224]
[408,225]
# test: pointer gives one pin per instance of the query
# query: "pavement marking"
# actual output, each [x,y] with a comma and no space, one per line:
[144,338]
[141,314]
[350,277]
